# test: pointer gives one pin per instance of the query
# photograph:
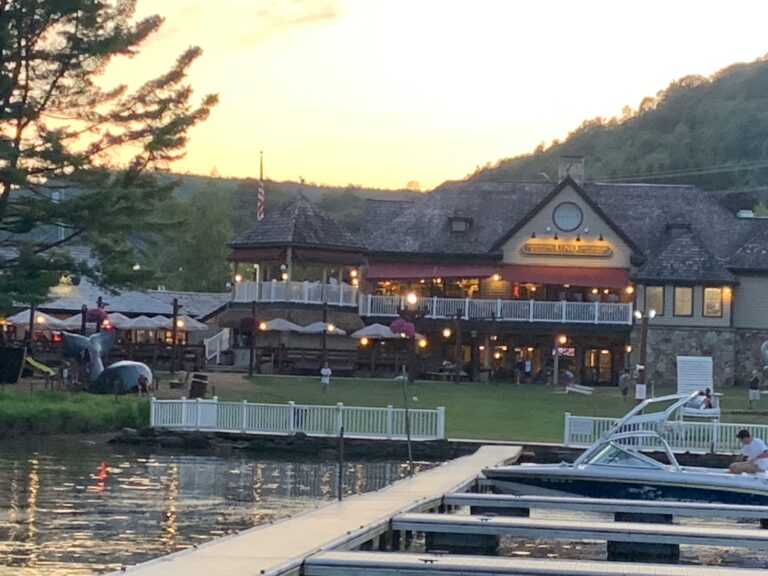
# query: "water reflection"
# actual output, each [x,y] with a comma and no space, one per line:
[76,509]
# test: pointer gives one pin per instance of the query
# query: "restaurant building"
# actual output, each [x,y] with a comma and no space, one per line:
[505,275]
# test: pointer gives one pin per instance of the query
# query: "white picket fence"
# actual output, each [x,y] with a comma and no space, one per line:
[288,419]
[695,437]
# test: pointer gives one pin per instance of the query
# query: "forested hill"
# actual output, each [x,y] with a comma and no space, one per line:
[711,132]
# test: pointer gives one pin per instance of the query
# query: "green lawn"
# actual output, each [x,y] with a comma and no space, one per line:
[480,411]
[54,412]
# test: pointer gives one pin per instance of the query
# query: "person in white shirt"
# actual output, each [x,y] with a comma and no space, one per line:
[754,455]
[325,377]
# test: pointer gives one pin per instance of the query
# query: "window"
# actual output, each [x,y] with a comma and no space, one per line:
[654,298]
[459,224]
[713,303]
[683,301]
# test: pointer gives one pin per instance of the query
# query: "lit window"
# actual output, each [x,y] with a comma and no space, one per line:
[683,301]
[713,302]
[654,299]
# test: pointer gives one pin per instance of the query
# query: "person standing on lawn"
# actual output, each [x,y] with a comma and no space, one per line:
[624,380]
[325,377]
[754,388]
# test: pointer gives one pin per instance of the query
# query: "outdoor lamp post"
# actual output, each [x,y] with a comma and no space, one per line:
[560,340]
[644,318]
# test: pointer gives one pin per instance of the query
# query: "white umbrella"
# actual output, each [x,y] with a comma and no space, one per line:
[375,332]
[141,323]
[281,325]
[74,322]
[42,320]
[118,320]
[320,327]
[188,324]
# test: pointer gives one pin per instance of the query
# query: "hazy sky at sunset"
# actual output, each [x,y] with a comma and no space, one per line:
[381,92]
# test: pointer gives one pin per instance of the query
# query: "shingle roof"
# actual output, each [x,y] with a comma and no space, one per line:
[425,228]
[684,259]
[378,214]
[642,211]
[753,254]
[300,222]
[200,305]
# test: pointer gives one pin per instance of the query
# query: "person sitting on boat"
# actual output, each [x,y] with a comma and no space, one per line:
[754,455]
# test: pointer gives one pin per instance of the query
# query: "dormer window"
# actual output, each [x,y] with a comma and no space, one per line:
[459,224]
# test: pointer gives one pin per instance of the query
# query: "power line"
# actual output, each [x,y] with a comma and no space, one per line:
[700,171]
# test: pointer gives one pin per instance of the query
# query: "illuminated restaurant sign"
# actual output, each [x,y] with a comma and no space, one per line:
[565,249]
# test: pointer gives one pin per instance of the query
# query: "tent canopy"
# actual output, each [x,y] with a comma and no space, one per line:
[42,320]
[142,323]
[282,325]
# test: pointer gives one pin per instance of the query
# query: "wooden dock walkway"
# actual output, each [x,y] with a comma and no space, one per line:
[282,547]
[394,564]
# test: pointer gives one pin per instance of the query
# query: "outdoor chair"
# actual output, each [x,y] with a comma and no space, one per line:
[694,374]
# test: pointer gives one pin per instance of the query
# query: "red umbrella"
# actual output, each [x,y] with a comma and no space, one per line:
[402,326]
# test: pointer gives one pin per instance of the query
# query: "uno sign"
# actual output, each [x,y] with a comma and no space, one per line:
[565,249]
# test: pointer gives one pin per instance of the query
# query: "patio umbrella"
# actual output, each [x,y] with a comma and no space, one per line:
[281,325]
[320,327]
[118,320]
[74,322]
[42,320]
[188,324]
[375,332]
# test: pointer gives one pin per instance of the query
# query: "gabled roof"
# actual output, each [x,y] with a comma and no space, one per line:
[683,259]
[567,182]
[299,222]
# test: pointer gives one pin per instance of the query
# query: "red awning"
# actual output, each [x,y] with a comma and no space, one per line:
[589,277]
[416,271]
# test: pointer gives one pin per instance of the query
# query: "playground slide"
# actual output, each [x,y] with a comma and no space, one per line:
[40,367]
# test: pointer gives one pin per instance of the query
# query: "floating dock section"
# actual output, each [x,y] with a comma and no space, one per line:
[281,548]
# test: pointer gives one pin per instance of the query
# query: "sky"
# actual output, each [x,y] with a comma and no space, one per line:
[385,92]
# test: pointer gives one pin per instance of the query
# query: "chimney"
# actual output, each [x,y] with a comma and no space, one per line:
[572,166]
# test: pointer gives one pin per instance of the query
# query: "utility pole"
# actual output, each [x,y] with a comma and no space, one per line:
[174,329]
[252,351]
[84,314]
[458,351]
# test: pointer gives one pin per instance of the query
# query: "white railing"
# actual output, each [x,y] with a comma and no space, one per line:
[300,292]
[512,310]
[287,419]
[217,344]
[720,437]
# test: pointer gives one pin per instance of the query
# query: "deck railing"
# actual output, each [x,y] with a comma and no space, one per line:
[503,310]
[288,419]
[217,344]
[300,292]
[703,437]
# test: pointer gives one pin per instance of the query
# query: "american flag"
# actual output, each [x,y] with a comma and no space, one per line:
[260,201]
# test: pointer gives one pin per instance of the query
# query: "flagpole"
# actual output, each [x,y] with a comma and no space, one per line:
[261,197]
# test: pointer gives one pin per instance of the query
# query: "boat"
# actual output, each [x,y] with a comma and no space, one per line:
[633,460]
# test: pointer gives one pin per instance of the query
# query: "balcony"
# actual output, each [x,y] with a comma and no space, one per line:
[438,308]
[297,292]
[504,310]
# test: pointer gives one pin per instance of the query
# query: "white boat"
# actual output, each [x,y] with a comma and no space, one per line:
[633,460]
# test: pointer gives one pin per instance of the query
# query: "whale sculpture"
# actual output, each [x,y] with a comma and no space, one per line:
[118,378]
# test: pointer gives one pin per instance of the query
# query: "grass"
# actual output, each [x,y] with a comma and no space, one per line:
[479,411]
[54,412]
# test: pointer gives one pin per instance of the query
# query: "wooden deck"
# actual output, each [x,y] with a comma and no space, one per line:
[394,564]
[282,547]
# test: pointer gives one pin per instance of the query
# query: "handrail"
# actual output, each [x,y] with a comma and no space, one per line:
[217,344]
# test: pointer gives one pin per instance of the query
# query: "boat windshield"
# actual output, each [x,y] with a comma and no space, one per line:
[612,455]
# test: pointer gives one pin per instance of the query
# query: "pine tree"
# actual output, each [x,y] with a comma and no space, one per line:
[61,135]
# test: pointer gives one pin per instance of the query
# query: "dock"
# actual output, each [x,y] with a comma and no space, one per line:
[282,548]
[394,564]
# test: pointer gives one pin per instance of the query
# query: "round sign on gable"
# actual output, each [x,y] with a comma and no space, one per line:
[567,216]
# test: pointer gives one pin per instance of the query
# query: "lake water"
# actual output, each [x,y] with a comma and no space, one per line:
[69,507]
